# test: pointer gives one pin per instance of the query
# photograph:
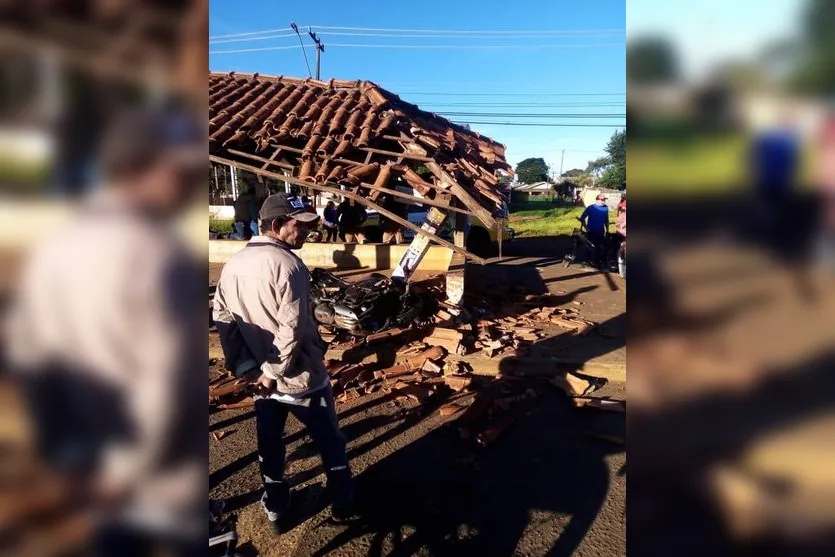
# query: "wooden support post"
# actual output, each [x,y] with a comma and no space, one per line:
[455,275]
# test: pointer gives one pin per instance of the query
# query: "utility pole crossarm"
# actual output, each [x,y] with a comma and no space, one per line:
[320,48]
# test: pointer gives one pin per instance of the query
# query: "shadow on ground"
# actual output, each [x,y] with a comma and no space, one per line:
[443,496]
[536,490]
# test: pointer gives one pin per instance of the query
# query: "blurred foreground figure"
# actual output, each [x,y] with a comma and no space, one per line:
[105,339]
[826,177]
[775,164]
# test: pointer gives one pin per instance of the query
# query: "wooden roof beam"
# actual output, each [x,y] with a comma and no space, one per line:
[351,195]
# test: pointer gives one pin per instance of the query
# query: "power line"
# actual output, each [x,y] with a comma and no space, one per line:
[247,39]
[471,31]
[474,47]
[289,47]
[296,29]
[527,104]
[459,37]
[427,47]
[250,33]
[421,36]
[520,94]
[528,115]
[541,124]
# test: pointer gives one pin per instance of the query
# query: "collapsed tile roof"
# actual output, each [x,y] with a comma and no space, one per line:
[352,133]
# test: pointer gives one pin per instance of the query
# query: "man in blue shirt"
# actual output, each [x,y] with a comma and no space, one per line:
[596,219]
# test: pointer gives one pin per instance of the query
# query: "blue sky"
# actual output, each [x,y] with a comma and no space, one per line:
[576,68]
[712,31]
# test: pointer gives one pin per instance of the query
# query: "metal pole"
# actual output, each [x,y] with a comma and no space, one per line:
[562,158]
[318,61]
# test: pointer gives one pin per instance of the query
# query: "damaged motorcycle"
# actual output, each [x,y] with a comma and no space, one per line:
[368,306]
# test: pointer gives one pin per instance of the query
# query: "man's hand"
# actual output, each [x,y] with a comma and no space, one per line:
[265,384]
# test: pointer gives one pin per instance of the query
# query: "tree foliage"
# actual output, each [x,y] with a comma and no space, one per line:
[564,188]
[610,170]
[816,69]
[532,170]
[651,61]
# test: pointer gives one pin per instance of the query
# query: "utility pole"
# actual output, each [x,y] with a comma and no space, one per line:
[562,158]
[320,48]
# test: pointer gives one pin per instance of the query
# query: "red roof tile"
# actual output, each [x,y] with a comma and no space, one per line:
[317,122]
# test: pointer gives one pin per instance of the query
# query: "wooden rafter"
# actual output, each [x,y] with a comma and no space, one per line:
[483,214]
[421,200]
[351,195]
[396,154]
[266,163]
[272,160]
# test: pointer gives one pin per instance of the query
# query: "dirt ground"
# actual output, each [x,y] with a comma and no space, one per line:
[544,487]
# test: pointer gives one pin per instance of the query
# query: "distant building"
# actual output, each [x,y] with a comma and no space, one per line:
[526,193]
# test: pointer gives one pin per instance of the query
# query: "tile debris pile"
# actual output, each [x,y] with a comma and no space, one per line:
[423,367]
[352,133]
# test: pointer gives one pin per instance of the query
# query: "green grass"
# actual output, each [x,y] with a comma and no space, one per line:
[698,165]
[224,226]
[545,222]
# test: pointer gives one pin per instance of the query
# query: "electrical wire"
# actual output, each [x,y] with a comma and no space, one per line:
[248,39]
[526,115]
[540,124]
[250,33]
[442,105]
[428,47]
[301,44]
[520,94]
[422,36]
[471,31]
[289,47]
[473,47]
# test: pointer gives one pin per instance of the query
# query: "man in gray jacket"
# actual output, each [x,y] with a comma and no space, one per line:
[263,315]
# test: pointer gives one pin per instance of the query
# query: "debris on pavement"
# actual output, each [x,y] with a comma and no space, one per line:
[494,430]
[218,435]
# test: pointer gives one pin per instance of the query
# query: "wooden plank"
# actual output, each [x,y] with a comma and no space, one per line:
[351,195]
[272,160]
[291,150]
[265,161]
[421,200]
[394,154]
[485,216]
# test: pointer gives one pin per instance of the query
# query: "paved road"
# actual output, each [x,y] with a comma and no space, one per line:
[544,487]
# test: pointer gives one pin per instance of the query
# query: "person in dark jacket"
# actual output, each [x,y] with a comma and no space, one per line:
[246,214]
[330,222]
[393,230]
[351,216]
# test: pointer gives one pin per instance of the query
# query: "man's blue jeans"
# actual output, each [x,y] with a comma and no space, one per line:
[318,413]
